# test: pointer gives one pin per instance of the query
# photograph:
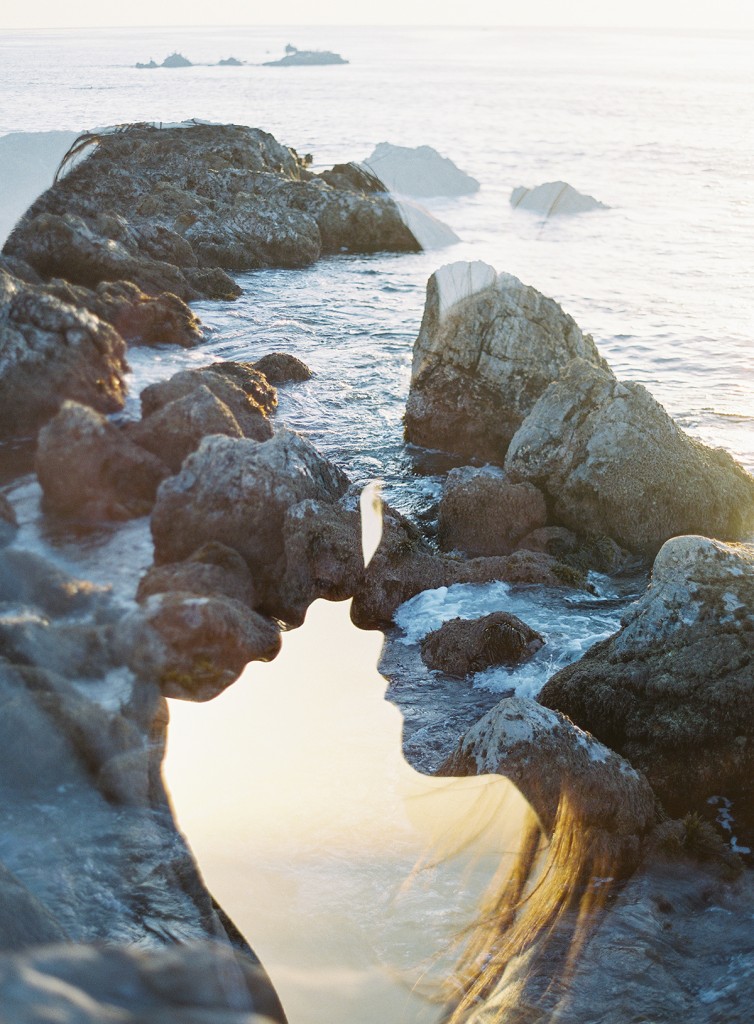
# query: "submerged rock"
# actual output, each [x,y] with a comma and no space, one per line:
[8,521]
[185,204]
[673,690]
[487,348]
[483,513]
[281,368]
[89,469]
[418,171]
[50,352]
[554,198]
[461,647]
[612,461]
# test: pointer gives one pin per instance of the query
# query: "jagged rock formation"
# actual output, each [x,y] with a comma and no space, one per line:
[482,513]
[186,204]
[487,348]
[673,691]
[51,351]
[611,460]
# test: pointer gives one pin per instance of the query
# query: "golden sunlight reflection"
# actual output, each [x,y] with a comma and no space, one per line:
[348,872]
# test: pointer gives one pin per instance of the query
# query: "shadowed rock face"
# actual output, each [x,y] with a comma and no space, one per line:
[483,513]
[183,202]
[487,348]
[673,691]
[51,351]
[81,984]
[612,461]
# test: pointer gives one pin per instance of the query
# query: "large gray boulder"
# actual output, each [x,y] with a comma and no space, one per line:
[238,492]
[51,351]
[89,469]
[612,461]
[673,691]
[185,204]
[487,348]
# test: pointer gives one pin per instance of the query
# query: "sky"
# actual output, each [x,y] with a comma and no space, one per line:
[726,15]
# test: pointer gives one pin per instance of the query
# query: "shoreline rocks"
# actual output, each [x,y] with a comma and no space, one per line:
[187,204]
[51,351]
[673,690]
[487,348]
[612,461]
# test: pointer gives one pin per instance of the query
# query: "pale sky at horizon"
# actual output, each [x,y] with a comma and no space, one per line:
[724,15]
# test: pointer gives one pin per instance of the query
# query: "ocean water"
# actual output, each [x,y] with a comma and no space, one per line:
[655,125]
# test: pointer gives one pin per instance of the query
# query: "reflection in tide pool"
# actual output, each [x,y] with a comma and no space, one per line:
[349,873]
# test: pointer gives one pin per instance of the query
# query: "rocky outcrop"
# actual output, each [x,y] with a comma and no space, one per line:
[89,469]
[482,513]
[673,691]
[81,745]
[554,198]
[324,558]
[242,388]
[612,461]
[89,984]
[185,204]
[282,368]
[461,647]
[214,570]
[418,171]
[140,319]
[238,492]
[487,348]
[193,646]
[50,352]
[550,761]
[176,429]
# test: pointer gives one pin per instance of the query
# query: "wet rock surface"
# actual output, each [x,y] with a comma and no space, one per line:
[187,200]
[140,319]
[282,368]
[611,460]
[673,691]
[51,351]
[487,348]
[463,646]
[482,513]
[89,469]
